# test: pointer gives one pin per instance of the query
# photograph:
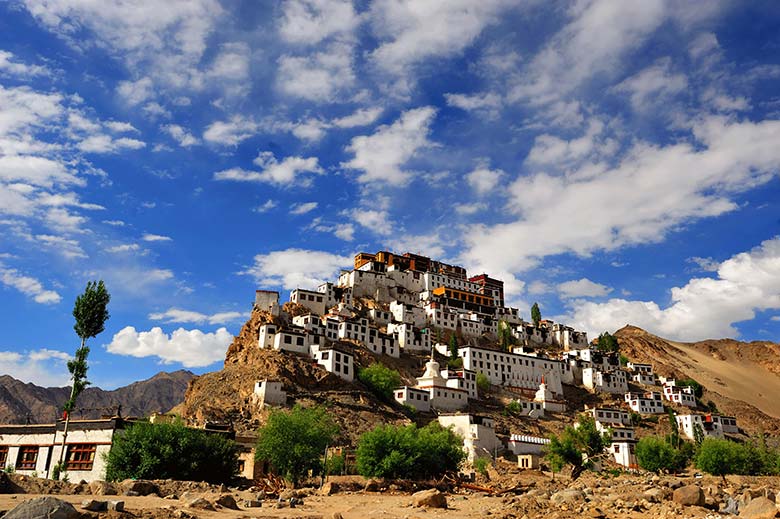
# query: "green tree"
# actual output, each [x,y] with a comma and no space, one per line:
[453,347]
[674,433]
[294,441]
[380,379]
[698,434]
[720,457]
[171,451]
[505,337]
[536,314]
[409,452]
[573,442]
[607,343]
[91,313]
[483,383]
[561,451]
[656,455]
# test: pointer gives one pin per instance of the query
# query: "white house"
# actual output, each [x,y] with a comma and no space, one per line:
[523,444]
[687,424]
[408,313]
[609,417]
[414,397]
[614,381]
[267,301]
[314,301]
[531,409]
[269,392]
[624,453]
[682,395]
[442,396]
[478,433]
[337,361]
[511,369]
[464,379]
[548,401]
[645,403]
[410,338]
[379,316]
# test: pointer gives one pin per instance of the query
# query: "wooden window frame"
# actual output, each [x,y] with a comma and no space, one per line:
[3,456]
[85,454]
[24,464]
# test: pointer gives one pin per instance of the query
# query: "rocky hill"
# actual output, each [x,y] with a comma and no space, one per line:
[741,378]
[20,401]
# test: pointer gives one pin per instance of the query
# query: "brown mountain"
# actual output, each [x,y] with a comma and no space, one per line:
[741,378]
[20,402]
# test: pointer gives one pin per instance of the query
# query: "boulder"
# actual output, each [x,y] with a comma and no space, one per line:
[43,508]
[102,488]
[689,495]
[140,487]
[569,495]
[329,488]
[227,501]
[431,498]
[252,503]
[201,504]
[94,506]
[656,494]
[372,485]
[116,506]
[759,508]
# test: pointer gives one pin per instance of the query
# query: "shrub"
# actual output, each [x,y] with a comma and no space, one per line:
[293,441]
[409,452]
[656,455]
[483,383]
[481,465]
[607,343]
[569,447]
[720,457]
[513,408]
[171,451]
[335,464]
[380,379]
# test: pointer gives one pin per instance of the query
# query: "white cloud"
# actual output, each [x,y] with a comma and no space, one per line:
[551,152]
[103,143]
[775,318]
[648,192]
[311,21]
[706,264]
[653,85]
[362,117]
[582,288]
[232,132]
[342,231]
[28,286]
[155,237]
[10,66]
[483,179]
[120,127]
[318,76]
[191,348]
[177,315]
[266,206]
[303,208]
[44,367]
[537,287]
[469,209]
[487,102]
[293,268]
[382,155]
[124,247]
[64,221]
[114,223]
[135,92]
[180,135]
[288,172]
[704,307]
[68,248]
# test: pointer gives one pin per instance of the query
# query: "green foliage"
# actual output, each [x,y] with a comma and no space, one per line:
[569,447]
[698,389]
[536,314]
[698,434]
[171,451]
[453,347]
[380,379]
[721,457]
[91,313]
[455,363]
[58,470]
[636,418]
[712,407]
[674,433]
[9,469]
[607,343]
[481,465]
[656,455]
[505,337]
[483,383]
[390,451]
[335,464]
[294,441]
[513,408]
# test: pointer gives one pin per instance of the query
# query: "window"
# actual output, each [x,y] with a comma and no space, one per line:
[80,456]
[325,355]
[287,339]
[28,457]
[3,457]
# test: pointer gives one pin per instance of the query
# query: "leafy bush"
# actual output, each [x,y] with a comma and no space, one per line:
[721,457]
[335,464]
[656,455]
[380,379]
[513,408]
[698,389]
[569,447]
[483,383]
[481,465]
[171,451]
[293,441]
[607,343]
[409,452]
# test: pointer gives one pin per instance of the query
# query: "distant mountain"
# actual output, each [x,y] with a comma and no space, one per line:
[20,402]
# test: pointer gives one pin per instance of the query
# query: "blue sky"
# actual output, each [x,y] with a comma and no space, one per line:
[615,161]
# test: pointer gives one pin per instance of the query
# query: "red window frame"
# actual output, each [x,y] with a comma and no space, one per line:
[27,458]
[3,457]
[80,456]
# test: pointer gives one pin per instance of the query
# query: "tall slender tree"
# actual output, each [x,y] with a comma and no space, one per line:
[536,314]
[91,314]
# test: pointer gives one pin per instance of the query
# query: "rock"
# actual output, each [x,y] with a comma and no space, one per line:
[201,504]
[143,488]
[261,495]
[336,515]
[252,503]
[227,501]
[596,513]
[94,506]
[132,493]
[569,495]
[43,508]
[372,485]
[431,498]
[116,506]
[102,488]
[759,508]
[730,506]
[287,495]
[657,494]
[329,488]
[690,495]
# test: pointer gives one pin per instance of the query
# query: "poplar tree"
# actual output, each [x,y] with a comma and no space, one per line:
[536,314]
[91,314]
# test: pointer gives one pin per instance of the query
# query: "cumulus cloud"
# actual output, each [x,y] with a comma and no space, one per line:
[155,237]
[483,179]
[180,135]
[266,206]
[9,65]
[582,288]
[488,102]
[361,117]
[231,132]
[28,286]
[43,367]
[312,21]
[382,155]
[191,348]
[318,76]
[288,172]
[124,247]
[303,208]
[293,268]
[706,307]
[178,315]
[653,85]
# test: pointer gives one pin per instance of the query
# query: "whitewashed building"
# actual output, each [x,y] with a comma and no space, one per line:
[682,395]
[267,301]
[610,417]
[336,360]
[624,453]
[314,301]
[269,392]
[408,313]
[413,397]
[510,369]
[615,381]
[524,444]
[442,396]
[409,337]
[478,433]
[645,403]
